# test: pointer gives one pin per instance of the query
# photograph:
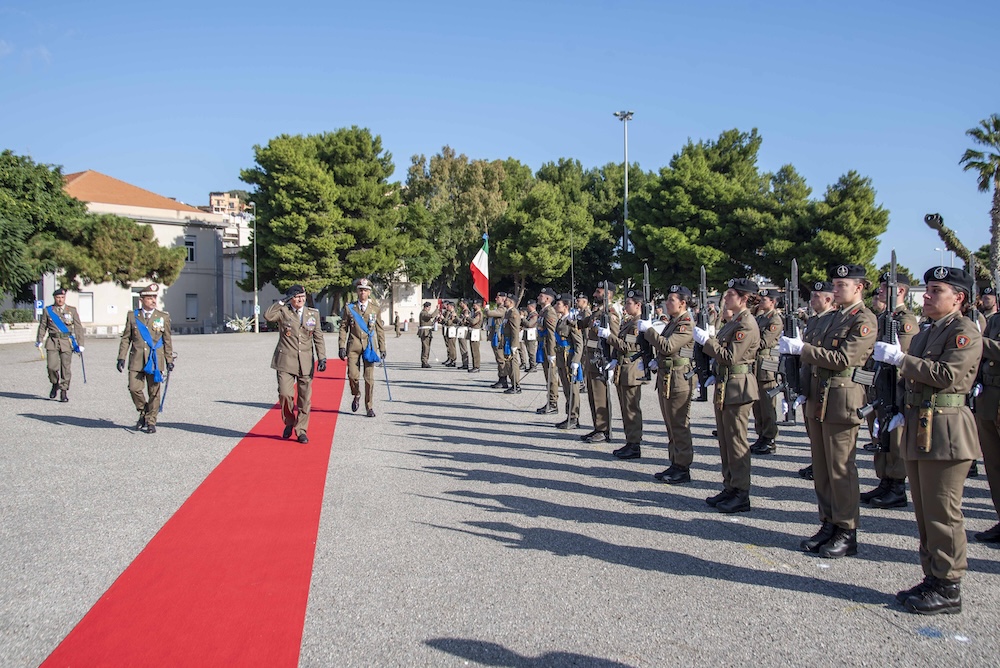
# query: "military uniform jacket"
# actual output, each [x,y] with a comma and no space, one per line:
[988,403]
[296,340]
[475,320]
[58,340]
[547,330]
[907,328]
[570,333]
[158,324]
[674,347]
[943,359]
[353,337]
[591,339]
[425,324]
[530,320]
[493,329]
[771,327]
[845,344]
[734,350]
[814,332]
[511,329]
[625,345]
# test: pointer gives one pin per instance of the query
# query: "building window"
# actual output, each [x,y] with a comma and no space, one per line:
[189,243]
[191,308]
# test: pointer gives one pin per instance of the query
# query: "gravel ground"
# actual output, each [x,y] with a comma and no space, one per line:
[460,528]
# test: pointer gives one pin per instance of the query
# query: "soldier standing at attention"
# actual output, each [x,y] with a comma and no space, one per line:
[594,372]
[940,434]
[395,325]
[359,321]
[65,331]
[425,332]
[832,410]
[510,335]
[581,312]
[147,333]
[530,326]
[299,334]
[569,352]
[495,332]
[463,336]
[821,302]
[475,333]
[764,415]
[628,374]
[448,325]
[734,350]
[988,416]
[890,467]
[547,319]
[988,297]
[674,347]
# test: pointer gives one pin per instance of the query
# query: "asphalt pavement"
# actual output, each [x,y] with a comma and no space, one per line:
[461,528]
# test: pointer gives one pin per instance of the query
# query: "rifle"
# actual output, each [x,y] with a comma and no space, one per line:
[974,315]
[884,377]
[602,358]
[790,380]
[645,347]
[702,362]
[371,333]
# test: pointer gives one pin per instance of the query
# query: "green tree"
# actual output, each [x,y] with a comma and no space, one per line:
[986,165]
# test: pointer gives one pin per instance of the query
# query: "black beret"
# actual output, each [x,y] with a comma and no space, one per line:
[447,302]
[900,278]
[847,271]
[953,276]
[501,294]
[989,290]
[582,296]
[605,285]
[531,302]
[58,291]
[426,304]
[822,286]
[294,290]
[634,295]
[743,285]
[680,290]
[566,298]
[550,292]
[770,294]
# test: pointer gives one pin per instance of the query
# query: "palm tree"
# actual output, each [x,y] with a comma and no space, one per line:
[987,165]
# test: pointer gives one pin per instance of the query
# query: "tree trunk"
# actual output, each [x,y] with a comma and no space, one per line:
[995,227]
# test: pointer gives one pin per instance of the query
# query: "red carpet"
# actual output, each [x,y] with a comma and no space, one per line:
[226,580]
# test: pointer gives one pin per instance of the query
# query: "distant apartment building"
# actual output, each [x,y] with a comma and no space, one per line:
[225,204]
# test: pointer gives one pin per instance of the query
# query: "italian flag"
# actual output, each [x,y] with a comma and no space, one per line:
[481,269]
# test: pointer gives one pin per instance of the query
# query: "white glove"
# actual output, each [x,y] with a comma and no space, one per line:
[611,365]
[643,325]
[711,330]
[573,368]
[784,406]
[81,349]
[552,359]
[659,326]
[653,366]
[603,332]
[890,353]
[896,421]
[799,400]
[977,389]
[700,336]
[642,367]
[789,346]
[710,381]
[38,344]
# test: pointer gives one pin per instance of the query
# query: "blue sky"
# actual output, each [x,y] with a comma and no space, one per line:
[173,96]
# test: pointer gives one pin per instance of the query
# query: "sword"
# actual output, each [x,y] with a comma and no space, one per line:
[83,366]
[166,386]
[387,388]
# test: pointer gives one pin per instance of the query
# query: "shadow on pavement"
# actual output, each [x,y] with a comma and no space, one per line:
[492,654]
[249,404]
[19,395]
[72,420]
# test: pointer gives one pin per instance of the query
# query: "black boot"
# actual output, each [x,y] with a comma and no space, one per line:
[820,538]
[628,451]
[942,598]
[63,396]
[568,423]
[843,544]
[588,435]
[990,535]
[500,384]
[806,472]
[763,447]
[596,437]
[738,503]
[973,473]
[894,498]
[926,585]
[141,424]
[883,487]
[513,389]
[52,392]
[724,495]
[546,409]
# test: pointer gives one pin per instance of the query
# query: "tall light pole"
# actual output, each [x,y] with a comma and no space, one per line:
[625,117]
[941,250]
[256,304]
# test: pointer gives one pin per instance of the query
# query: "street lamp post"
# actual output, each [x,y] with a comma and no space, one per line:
[256,304]
[941,250]
[625,117]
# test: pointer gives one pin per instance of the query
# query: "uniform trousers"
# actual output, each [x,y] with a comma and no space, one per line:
[835,471]
[425,349]
[628,400]
[463,349]
[597,396]
[60,364]
[765,417]
[501,362]
[532,347]
[139,384]
[449,344]
[936,486]
[354,362]
[989,441]
[474,352]
[289,400]
[732,421]
[512,367]
[552,381]
[676,411]
[571,390]
[889,465]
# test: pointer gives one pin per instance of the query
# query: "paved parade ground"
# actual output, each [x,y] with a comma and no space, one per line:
[457,527]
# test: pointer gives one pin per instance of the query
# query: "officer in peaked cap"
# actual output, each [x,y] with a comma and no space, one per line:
[147,344]
[61,324]
[361,329]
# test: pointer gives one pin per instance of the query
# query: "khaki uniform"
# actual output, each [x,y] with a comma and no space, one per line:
[510,335]
[462,320]
[353,338]
[813,333]
[765,415]
[425,332]
[940,369]
[628,378]
[59,347]
[493,330]
[530,322]
[140,383]
[449,319]
[593,371]
[475,323]
[298,338]
[569,351]
[832,404]
[891,465]
[734,350]
[547,340]
[988,408]
[674,348]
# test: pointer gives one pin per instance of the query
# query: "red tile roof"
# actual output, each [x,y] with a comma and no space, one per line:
[91,186]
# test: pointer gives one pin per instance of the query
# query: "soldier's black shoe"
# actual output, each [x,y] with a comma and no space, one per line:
[464,367]
[303,438]
[567,424]
[513,389]
[425,365]
[474,369]
[370,413]
[675,475]
[844,543]
[806,472]
[450,364]
[715,432]
[942,598]
[141,423]
[596,437]
[883,487]
[63,396]
[989,536]
[764,448]
[926,585]
[501,384]
[973,473]
[895,497]
[819,539]
[151,429]
[356,403]
[52,392]
[725,494]
[288,431]
[546,409]
[628,451]
[588,435]
[738,503]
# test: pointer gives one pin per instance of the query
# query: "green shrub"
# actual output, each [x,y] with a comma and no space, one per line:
[13,315]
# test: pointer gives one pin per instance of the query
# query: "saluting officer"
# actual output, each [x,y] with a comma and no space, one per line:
[425,332]
[832,406]
[734,349]
[510,335]
[821,302]
[890,467]
[594,373]
[547,319]
[299,334]
[147,343]
[674,347]
[359,321]
[940,434]
[61,323]
[494,330]
[765,417]
[569,352]
[628,373]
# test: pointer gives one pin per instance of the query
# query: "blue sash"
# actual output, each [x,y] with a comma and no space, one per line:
[61,326]
[152,366]
[369,353]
